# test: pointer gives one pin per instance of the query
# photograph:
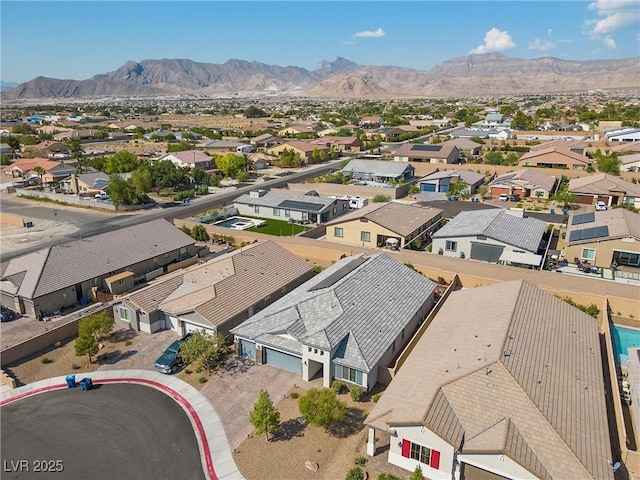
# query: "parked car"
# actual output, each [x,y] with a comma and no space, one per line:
[503,197]
[171,360]
[601,206]
[514,198]
[6,314]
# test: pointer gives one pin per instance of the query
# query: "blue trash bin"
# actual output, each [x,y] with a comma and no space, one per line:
[71,381]
[86,383]
[553,211]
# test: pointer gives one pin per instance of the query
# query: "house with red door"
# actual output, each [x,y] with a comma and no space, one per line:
[505,381]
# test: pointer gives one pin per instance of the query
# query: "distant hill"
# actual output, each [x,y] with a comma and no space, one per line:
[6,86]
[474,75]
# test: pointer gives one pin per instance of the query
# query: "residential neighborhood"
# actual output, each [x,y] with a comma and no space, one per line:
[461,283]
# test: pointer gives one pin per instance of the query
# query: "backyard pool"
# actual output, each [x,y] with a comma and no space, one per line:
[624,338]
[240,223]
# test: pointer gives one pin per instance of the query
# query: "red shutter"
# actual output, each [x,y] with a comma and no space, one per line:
[406,448]
[435,459]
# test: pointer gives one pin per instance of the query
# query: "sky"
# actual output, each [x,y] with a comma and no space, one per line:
[79,39]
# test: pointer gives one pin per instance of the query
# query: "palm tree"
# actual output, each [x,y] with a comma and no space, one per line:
[40,171]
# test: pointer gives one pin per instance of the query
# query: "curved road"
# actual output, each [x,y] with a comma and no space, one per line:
[90,223]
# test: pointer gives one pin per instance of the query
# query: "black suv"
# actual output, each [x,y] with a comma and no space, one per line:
[514,198]
[6,315]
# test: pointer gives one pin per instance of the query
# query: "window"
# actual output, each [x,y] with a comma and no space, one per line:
[125,314]
[338,232]
[421,453]
[451,246]
[256,209]
[365,236]
[287,213]
[276,212]
[305,216]
[628,258]
[349,374]
[588,254]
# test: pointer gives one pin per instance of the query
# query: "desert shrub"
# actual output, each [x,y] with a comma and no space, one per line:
[361,461]
[128,343]
[356,394]
[375,397]
[198,369]
[75,366]
[294,395]
[355,474]
[387,476]
[202,379]
[46,360]
[58,344]
[338,387]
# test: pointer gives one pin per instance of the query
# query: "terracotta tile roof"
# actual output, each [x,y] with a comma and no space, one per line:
[603,184]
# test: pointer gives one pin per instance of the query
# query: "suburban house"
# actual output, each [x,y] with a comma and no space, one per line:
[428,153]
[89,183]
[339,144]
[53,171]
[465,145]
[624,134]
[301,128]
[388,134]
[468,133]
[260,161]
[524,183]
[493,120]
[555,157]
[265,140]
[290,207]
[379,171]
[82,135]
[217,295]
[189,158]
[159,135]
[220,146]
[602,187]
[5,149]
[496,236]
[347,323]
[40,283]
[630,163]
[505,382]
[603,238]
[385,224]
[440,181]
[304,149]
[371,121]
[502,134]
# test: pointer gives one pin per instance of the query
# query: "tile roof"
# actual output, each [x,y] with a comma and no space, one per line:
[28,164]
[398,217]
[275,199]
[60,266]
[358,306]
[188,156]
[565,152]
[418,150]
[603,184]
[527,177]
[511,369]
[497,224]
[224,287]
[376,167]
[467,176]
[463,143]
[620,223]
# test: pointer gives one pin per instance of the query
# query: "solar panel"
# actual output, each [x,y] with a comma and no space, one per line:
[587,233]
[427,148]
[584,218]
[296,205]
[575,236]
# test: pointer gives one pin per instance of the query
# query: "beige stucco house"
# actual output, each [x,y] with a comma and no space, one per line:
[555,158]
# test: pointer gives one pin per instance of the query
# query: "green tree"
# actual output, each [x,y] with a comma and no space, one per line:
[121,191]
[13,142]
[483,190]
[40,171]
[141,181]
[355,474]
[85,344]
[457,188]
[98,325]
[229,164]
[199,233]
[207,349]
[121,162]
[565,198]
[493,158]
[288,159]
[75,148]
[520,121]
[321,407]
[417,474]
[254,112]
[607,163]
[264,417]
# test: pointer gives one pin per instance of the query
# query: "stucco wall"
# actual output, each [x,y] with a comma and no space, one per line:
[352,230]
[424,437]
[604,250]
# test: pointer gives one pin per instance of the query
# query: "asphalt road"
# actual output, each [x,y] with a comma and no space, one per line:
[93,223]
[119,431]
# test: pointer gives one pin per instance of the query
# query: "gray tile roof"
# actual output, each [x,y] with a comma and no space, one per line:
[274,199]
[398,217]
[358,306]
[376,167]
[511,369]
[467,176]
[60,266]
[497,224]
[224,287]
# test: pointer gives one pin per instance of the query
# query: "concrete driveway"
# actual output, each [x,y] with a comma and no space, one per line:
[143,355]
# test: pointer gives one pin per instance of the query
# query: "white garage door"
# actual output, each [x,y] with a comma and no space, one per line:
[194,328]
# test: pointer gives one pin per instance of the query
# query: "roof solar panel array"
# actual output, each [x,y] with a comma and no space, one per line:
[588,233]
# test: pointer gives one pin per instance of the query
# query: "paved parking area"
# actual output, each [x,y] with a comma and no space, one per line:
[143,355]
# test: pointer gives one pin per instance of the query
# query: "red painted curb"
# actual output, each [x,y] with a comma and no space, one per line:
[172,393]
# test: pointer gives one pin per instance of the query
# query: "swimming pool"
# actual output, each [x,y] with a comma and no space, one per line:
[240,223]
[624,338]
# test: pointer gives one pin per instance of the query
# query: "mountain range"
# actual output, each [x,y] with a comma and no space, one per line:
[473,75]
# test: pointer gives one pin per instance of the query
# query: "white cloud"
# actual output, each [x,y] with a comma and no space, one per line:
[494,41]
[379,33]
[609,42]
[617,15]
[348,42]
[543,45]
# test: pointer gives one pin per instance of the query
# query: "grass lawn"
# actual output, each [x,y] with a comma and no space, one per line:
[279,228]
